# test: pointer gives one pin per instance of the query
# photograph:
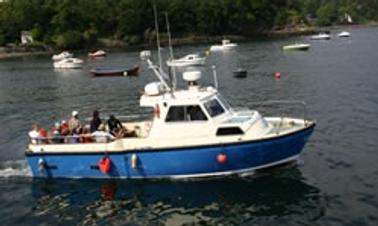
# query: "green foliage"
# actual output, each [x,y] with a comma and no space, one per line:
[78,23]
[69,40]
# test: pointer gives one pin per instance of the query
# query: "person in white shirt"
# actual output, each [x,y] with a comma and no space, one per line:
[100,136]
[34,134]
[74,122]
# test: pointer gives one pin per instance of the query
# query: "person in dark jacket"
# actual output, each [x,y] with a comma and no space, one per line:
[95,121]
[114,125]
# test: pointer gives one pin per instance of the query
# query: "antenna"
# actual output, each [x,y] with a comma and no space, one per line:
[171,69]
[157,37]
[215,76]
[169,35]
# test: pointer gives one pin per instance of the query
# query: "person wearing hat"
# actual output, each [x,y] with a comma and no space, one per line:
[74,122]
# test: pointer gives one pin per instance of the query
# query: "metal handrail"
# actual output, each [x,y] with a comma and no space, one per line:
[292,102]
[46,140]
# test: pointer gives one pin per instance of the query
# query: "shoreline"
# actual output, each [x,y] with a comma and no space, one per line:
[19,51]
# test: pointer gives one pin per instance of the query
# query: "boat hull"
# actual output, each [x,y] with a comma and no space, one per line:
[184,63]
[185,162]
[122,72]
[302,47]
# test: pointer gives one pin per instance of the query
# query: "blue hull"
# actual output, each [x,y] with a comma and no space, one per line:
[179,162]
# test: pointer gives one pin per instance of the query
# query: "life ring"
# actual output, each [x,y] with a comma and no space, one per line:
[105,165]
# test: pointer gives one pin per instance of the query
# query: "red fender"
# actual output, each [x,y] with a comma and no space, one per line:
[221,158]
[105,165]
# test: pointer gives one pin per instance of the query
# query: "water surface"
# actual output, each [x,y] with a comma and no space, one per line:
[335,182]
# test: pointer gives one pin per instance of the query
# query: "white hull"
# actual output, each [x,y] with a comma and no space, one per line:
[222,47]
[62,56]
[297,47]
[69,63]
[183,63]
[344,34]
[321,37]
[226,45]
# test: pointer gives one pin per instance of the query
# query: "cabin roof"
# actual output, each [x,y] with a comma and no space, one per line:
[193,95]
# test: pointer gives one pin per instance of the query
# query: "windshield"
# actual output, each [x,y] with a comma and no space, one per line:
[213,107]
[224,102]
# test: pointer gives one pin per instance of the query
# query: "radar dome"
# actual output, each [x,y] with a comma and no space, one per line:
[191,76]
[153,88]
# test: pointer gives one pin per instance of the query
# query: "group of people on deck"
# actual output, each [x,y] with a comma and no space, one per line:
[73,131]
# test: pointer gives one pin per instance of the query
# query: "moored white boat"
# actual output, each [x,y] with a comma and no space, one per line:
[61,56]
[226,45]
[188,60]
[98,53]
[343,34]
[321,36]
[297,46]
[69,63]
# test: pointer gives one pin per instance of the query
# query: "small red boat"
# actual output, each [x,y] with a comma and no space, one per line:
[98,53]
[115,72]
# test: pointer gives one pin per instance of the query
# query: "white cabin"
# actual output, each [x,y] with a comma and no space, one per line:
[197,112]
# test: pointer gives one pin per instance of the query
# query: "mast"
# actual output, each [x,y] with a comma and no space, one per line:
[169,36]
[171,69]
[157,38]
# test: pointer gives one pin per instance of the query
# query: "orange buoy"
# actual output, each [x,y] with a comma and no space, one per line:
[277,75]
[221,158]
[105,165]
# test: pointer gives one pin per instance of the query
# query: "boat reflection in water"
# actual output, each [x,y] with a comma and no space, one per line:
[274,197]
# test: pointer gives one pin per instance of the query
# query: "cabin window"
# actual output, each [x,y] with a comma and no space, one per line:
[224,102]
[185,113]
[227,131]
[214,108]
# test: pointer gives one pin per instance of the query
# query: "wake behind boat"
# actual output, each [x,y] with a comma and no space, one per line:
[103,72]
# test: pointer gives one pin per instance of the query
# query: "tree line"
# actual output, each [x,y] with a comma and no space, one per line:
[81,23]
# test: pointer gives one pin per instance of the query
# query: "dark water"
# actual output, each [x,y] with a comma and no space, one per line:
[335,182]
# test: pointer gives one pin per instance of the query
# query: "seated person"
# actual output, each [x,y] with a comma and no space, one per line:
[86,136]
[64,129]
[56,138]
[115,126]
[43,135]
[95,121]
[74,137]
[34,134]
[101,136]
[74,122]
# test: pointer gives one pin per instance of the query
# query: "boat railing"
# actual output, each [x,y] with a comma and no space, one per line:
[288,107]
[72,139]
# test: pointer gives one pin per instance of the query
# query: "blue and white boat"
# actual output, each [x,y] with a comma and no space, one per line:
[193,132]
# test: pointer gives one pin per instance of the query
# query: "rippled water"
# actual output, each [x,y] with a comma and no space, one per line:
[334,184]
